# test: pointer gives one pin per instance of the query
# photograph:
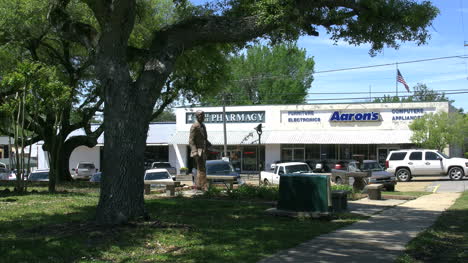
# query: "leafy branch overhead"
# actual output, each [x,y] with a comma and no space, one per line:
[137,47]
[378,22]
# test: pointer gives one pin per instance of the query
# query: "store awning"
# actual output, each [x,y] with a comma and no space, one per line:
[217,137]
[340,137]
[303,137]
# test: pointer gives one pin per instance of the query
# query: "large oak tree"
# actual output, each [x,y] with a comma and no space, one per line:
[134,77]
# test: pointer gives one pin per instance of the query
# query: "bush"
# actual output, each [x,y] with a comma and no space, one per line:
[212,192]
[342,187]
[466,155]
[248,192]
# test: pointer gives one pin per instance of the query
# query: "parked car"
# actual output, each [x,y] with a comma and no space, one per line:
[283,168]
[219,168]
[39,175]
[83,170]
[406,164]
[4,173]
[164,165]
[322,166]
[95,177]
[159,176]
[12,175]
[378,174]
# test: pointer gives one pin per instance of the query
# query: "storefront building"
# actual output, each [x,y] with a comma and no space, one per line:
[310,132]
[157,148]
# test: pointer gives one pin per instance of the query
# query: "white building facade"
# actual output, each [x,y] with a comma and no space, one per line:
[309,132]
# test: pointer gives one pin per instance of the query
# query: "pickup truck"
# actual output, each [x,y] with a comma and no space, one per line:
[283,168]
[352,168]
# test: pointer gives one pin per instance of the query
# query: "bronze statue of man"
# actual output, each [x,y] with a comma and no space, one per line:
[199,144]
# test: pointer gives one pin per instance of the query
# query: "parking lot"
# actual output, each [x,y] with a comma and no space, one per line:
[418,184]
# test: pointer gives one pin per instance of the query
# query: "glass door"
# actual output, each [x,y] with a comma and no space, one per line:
[382,153]
[249,159]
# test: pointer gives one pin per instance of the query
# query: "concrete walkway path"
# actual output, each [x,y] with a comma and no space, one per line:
[381,238]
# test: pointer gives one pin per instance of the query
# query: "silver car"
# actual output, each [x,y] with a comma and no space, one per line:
[83,170]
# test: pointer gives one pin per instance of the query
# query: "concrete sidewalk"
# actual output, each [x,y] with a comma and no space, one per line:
[381,238]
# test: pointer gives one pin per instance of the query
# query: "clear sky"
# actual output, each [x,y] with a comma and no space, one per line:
[449,33]
[448,36]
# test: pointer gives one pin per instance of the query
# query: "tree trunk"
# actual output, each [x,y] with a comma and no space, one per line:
[121,198]
[55,150]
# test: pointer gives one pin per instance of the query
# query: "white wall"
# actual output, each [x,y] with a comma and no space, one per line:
[272,154]
[85,154]
[174,160]
[277,116]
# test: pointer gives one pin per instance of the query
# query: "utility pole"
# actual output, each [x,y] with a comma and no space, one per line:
[396,80]
[224,125]
[258,128]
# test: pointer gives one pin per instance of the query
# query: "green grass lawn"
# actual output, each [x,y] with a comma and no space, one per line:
[445,241]
[46,227]
[413,194]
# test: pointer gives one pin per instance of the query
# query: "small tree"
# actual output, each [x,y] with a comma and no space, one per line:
[436,131]
[37,93]
[423,93]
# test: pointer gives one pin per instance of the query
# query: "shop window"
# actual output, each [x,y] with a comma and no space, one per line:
[361,150]
[312,152]
[156,154]
[292,152]
[328,152]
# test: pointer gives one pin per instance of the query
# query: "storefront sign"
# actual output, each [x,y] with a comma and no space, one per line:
[355,116]
[302,116]
[231,117]
[407,114]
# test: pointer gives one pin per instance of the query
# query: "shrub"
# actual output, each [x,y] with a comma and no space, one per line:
[248,192]
[212,192]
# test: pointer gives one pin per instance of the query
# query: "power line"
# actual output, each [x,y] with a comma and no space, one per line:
[284,76]
[281,100]
[440,91]
[389,64]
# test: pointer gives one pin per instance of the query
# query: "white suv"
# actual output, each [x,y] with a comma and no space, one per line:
[406,164]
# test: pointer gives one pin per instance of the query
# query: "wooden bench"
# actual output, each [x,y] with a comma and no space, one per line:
[374,191]
[170,187]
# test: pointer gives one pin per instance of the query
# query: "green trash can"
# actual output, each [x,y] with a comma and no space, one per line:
[304,193]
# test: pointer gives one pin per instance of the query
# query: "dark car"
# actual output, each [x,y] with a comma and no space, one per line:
[39,176]
[322,166]
[219,168]
[378,174]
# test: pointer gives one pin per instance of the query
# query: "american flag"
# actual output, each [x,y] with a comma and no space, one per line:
[402,80]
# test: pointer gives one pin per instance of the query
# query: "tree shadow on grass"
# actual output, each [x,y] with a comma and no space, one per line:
[182,230]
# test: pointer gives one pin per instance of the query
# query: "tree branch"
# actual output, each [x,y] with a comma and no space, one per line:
[71,30]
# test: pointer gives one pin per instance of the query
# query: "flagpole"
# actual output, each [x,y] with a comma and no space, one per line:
[396,80]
